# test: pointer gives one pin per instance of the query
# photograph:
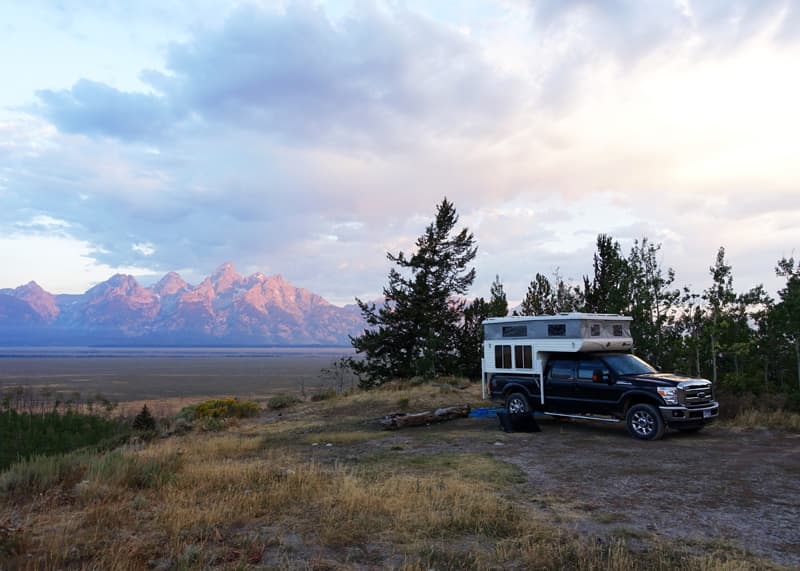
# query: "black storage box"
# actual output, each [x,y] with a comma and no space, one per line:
[518,422]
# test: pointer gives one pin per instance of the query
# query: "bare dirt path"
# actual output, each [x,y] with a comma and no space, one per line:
[717,487]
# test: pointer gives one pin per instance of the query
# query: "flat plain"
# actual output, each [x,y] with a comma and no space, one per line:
[141,374]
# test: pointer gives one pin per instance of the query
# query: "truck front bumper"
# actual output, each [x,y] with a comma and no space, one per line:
[683,416]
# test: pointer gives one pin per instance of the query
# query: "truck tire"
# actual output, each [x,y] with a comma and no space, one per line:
[517,403]
[644,422]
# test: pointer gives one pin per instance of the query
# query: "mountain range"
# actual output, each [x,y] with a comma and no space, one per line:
[224,309]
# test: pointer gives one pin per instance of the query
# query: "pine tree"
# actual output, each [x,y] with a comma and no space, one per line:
[416,331]
[546,297]
[609,289]
[540,298]
[144,421]
[787,310]
[498,302]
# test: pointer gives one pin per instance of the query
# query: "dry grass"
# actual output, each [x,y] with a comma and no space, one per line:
[753,418]
[258,495]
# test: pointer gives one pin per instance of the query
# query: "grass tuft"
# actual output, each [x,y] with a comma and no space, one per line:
[282,401]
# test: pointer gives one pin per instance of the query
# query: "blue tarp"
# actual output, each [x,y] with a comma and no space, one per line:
[485,412]
[492,412]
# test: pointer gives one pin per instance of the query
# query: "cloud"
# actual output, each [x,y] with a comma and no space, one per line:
[93,108]
[378,76]
[144,248]
[266,135]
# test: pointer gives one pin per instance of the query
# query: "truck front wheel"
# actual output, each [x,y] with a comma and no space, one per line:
[644,421]
[517,403]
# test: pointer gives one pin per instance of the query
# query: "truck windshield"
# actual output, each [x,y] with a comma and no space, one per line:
[628,365]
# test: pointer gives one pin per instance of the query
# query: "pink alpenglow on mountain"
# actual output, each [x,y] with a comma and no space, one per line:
[224,308]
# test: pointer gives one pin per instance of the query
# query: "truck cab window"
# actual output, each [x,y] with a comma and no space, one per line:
[586,369]
[562,370]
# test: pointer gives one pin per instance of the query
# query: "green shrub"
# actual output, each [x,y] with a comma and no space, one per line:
[39,473]
[226,408]
[24,435]
[187,413]
[282,401]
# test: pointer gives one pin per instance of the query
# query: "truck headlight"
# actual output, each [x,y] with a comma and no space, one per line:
[669,394]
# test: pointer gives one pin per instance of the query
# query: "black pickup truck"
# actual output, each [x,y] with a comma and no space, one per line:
[610,387]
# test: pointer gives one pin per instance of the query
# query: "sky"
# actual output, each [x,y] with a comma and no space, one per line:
[309,138]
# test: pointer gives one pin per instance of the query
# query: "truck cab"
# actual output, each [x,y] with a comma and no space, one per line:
[580,365]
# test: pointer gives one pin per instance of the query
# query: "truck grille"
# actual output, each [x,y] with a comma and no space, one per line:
[698,396]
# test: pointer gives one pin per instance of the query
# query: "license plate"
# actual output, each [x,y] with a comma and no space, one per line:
[707,413]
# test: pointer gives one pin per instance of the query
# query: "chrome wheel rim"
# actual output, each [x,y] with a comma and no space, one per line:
[516,406]
[643,423]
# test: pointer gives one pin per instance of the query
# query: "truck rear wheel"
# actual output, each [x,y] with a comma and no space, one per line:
[644,421]
[517,403]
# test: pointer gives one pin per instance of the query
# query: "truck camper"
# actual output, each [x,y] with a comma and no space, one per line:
[581,365]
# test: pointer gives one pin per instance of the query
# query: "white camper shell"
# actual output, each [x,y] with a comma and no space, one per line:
[520,345]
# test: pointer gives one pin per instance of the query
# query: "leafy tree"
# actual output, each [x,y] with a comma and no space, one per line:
[787,310]
[720,298]
[652,304]
[609,289]
[416,331]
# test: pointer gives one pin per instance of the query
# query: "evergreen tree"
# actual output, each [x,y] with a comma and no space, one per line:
[540,298]
[569,298]
[498,302]
[609,289]
[545,297]
[787,310]
[416,331]
[144,421]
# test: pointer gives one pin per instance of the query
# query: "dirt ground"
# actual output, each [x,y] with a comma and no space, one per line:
[718,485]
[712,490]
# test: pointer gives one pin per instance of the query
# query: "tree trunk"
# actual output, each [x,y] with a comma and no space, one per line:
[713,359]
[401,419]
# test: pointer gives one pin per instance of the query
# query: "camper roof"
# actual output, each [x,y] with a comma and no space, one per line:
[560,317]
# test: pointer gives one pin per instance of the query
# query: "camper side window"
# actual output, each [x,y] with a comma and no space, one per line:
[515,331]
[502,356]
[556,330]
[523,357]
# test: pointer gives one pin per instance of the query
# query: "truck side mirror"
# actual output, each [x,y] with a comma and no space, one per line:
[598,376]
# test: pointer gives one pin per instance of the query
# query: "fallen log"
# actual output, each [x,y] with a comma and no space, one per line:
[402,419]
